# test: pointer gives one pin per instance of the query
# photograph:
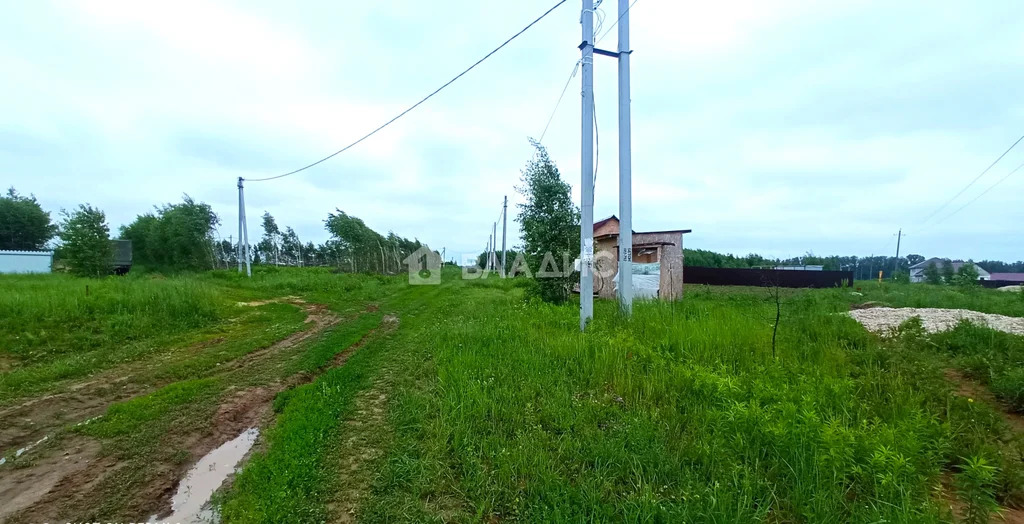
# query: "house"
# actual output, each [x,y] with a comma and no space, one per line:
[26,261]
[1007,277]
[917,270]
[662,247]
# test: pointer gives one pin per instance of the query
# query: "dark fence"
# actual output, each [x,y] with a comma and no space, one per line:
[724,276]
[999,283]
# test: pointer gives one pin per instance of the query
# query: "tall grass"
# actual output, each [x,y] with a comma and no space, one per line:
[678,415]
[45,316]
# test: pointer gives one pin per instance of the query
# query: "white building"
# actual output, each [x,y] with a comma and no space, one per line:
[917,270]
[26,261]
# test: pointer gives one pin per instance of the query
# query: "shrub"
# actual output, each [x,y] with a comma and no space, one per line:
[86,236]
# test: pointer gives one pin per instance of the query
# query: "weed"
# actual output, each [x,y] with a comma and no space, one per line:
[976,486]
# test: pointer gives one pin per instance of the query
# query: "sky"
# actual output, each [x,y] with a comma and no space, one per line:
[779,128]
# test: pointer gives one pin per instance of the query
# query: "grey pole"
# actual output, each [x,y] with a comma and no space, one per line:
[625,284]
[494,245]
[241,212]
[487,259]
[504,231]
[245,231]
[899,236]
[587,167]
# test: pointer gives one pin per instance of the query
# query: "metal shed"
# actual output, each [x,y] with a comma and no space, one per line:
[26,261]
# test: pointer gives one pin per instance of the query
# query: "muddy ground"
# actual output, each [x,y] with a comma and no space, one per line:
[65,476]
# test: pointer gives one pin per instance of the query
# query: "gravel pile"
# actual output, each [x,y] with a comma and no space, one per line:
[881,319]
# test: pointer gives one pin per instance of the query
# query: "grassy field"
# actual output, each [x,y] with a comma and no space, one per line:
[468,402]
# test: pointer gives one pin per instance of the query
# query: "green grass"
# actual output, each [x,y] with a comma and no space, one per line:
[500,409]
[49,316]
[975,298]
[679,415]
[991,357]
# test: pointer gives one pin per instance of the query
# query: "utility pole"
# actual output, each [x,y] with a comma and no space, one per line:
[487,258]
[504,231]
[241,215]
[243,227]
[899,236]
[587,167]
[494,244]
[625,284]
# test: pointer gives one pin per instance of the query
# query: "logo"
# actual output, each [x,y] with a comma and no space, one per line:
[424,267]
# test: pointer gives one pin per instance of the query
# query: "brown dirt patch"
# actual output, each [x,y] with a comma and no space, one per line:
[24,487]
[57,486]
[966,387]
[318,317]
[867,305]
[33,419]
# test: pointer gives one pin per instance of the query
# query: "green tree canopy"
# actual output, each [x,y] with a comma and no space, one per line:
[967,275]
[176,236]
[86,241]
[23,223]
[947,272]
[932,275]
[550,226]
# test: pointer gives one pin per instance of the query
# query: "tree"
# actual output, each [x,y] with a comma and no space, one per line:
[967,275]
[86,241]
[290,247]
[23,223]
[550,226]
[947,272]
[271,235]
[914,259]
[932,275]
[176,237]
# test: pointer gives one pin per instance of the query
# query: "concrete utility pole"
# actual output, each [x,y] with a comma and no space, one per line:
[243,228]
[241,213]
[487,258]
[494,246]
[587,167]
[504,231]
[625,284]
[899,236]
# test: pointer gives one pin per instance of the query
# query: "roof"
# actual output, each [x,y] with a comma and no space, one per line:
[601,222]
[1011,277]
[18,252]
[681,231]
[939,262]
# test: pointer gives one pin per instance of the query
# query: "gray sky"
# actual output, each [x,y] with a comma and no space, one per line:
[769,127]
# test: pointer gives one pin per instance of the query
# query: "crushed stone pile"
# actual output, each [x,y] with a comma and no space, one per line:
[882,319]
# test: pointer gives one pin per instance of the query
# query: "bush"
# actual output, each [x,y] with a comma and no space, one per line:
[550,225]
[86,236]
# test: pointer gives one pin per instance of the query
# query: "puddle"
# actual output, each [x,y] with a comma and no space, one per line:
[189,504]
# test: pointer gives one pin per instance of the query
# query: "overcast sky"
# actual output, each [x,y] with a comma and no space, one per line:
[770,127]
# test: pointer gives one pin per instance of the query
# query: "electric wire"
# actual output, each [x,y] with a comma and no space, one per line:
[616,22]
[417,104]
[572,75]
[975,199]
[943,206]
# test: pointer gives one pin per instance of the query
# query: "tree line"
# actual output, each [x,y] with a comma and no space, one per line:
[864,268]
[183,237]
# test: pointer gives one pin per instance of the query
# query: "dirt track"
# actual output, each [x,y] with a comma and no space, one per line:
[68,473]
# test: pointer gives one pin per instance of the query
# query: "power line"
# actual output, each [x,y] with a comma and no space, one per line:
[616,21]
[572,75]
[943,206]
[417,104]
[975,199]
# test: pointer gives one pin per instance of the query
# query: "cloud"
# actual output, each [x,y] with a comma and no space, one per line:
[778,128]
